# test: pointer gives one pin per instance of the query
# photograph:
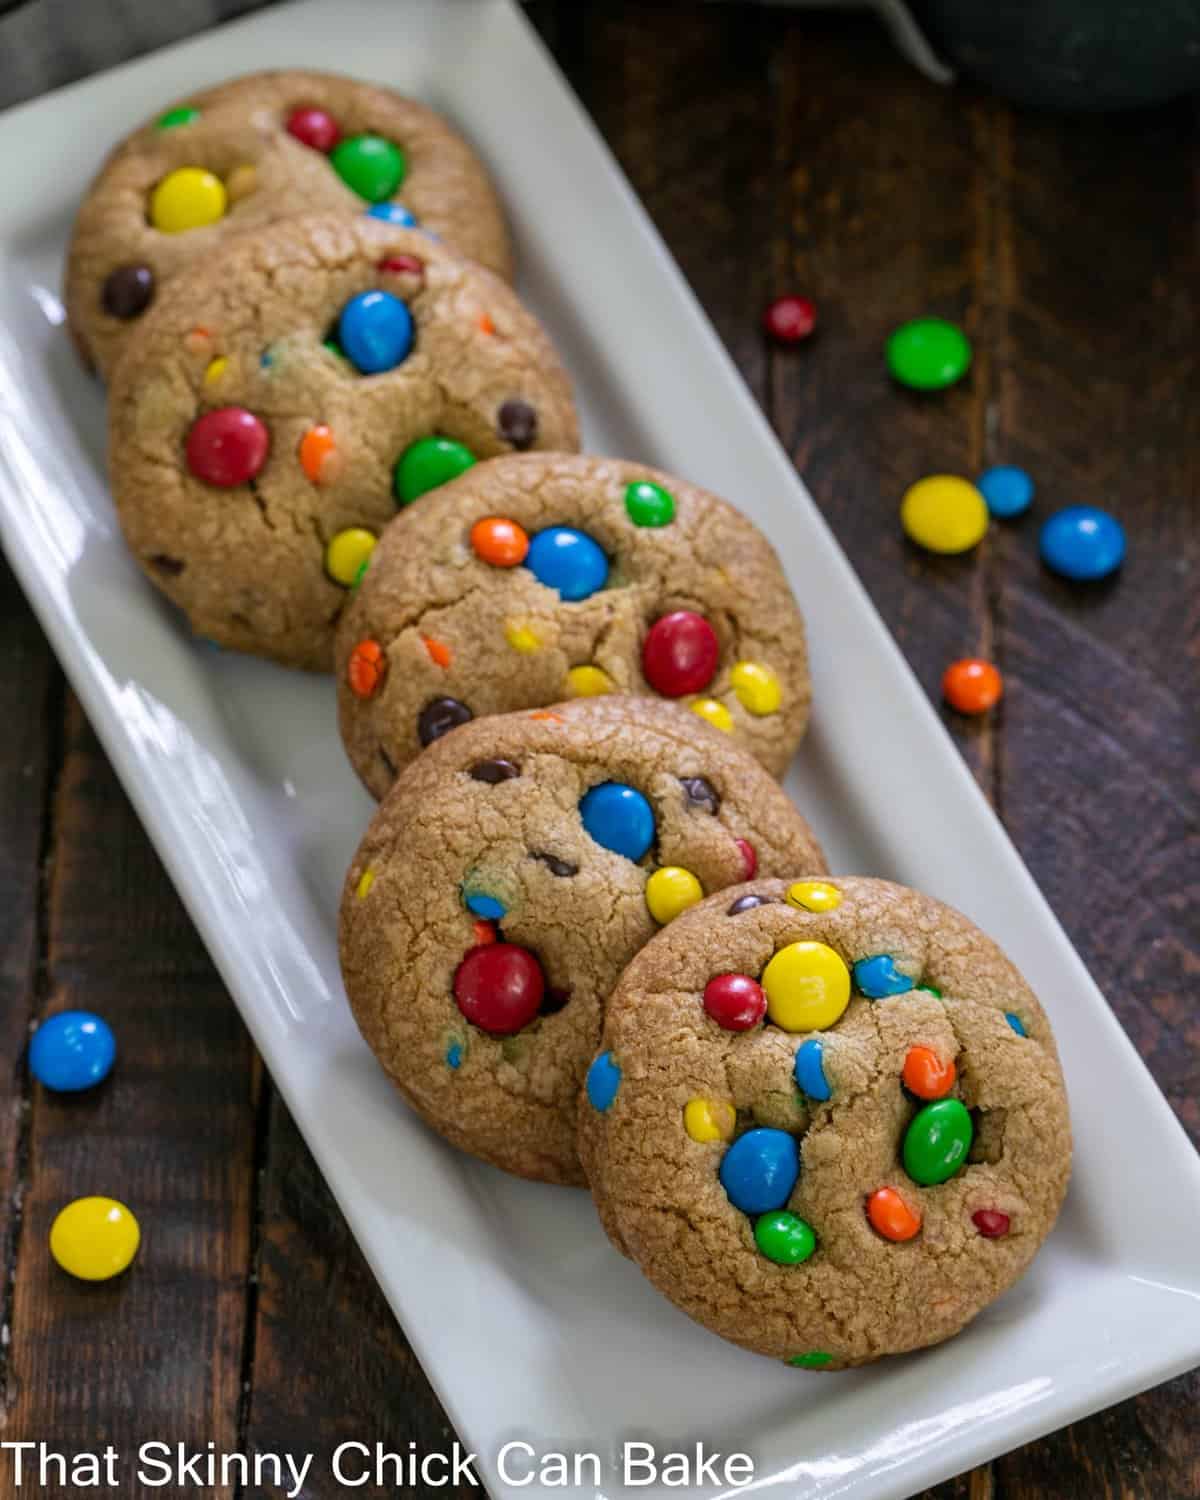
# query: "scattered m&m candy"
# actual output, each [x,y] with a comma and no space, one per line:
[757,688]
[72,1051]
[937,1141]
[427,463]
[670,891]
[972,685]
[318,454]
[713,712]
[499,988]
[369,165]
[567,560]
[807,987]
[944,513]
[366,669]
[735,1001]
[680,654]
[94,1238]
[375,331]
[926,1074]
[439,717]
[991,1223]
[227,446]
[588,681]
[182,114]
[790,320]
[760,1169]
[813,895]
[709,1120]
[188,198]
[1083,543]
[128,291]
[1008,491]
[619,818]
[315,128]
[928,354]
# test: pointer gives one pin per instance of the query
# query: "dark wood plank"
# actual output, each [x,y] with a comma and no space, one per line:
[1097,387]
[31,703]
[330,1364]
[883,218]
[156,1354]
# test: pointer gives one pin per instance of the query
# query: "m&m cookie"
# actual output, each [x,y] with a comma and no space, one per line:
[276,407]
[541,577]
[249,152]
[506,880]
[838,1127]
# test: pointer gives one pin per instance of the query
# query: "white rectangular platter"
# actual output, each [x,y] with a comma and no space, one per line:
[527,1322]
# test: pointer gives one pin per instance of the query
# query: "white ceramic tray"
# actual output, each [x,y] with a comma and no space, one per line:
[527,1323]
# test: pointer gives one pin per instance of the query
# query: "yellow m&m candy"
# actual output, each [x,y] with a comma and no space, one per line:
[807,987]
[757,688]
[94,1238]
[944,514]
[814,895]
[588,682]
[187,198]
[670,891]
[709,1120]
[347,552]
[521,638]
[714,713]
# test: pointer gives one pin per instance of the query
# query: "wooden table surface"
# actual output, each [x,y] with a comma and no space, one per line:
[776,151]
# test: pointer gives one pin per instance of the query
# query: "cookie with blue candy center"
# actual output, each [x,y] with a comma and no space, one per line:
[514,869]
[847,1105]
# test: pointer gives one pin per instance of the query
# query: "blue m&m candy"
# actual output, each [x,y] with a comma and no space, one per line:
[567,560]
[375,332]
[809,1070]
[760,1169]
[71,1051]
[481,905]
[393,213]
[603,1081]
[619,818]
[1083,542]
[1008,491]
[879,977]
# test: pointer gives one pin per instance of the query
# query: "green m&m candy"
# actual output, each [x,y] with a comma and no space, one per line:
[784,1238]
[428,462]
[182,114]
[649,504]
[937,1142]
[815,1359]
[372,167]
[928,354]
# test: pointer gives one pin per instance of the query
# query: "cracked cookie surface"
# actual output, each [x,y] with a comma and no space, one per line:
[238,133]
[659,588]
[257,527]
[763,1177]
[483,868]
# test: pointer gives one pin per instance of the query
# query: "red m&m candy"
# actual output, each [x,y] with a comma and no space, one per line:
[227,447]
[991,1223]
[499,987]
[735,1001]
[790,319]
[314,127]
[749,858]
[680,654]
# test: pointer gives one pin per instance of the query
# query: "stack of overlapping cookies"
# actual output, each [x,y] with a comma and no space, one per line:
[587,934]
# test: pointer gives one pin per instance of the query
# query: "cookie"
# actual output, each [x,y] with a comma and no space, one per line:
[249,152]
[826,1119]
[274,405]
[510,875]
[541,577]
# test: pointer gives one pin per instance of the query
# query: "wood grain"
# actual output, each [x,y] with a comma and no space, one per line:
[155,1354]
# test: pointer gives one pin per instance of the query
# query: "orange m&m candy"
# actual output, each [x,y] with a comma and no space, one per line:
[972,686]
[366,669]
[499,541]
[317,453]
[890,1216]
[926,1074]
